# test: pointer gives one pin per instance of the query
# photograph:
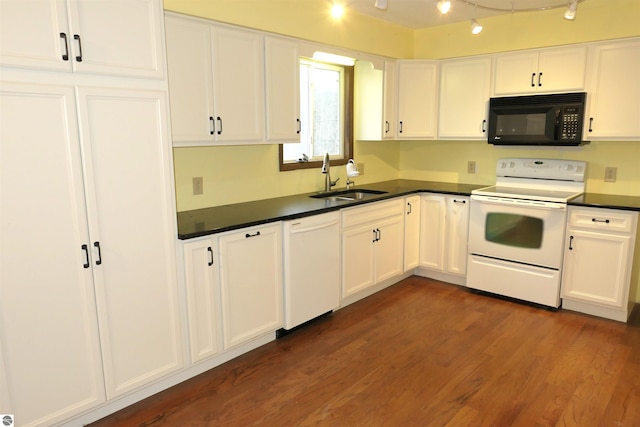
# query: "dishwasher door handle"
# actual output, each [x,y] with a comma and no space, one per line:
[313,228]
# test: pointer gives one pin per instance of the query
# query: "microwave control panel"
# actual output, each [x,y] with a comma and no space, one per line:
[570,125]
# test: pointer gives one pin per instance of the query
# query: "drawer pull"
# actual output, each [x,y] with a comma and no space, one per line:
[606,221]
[257,233]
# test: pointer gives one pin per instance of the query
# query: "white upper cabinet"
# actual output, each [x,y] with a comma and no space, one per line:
[216,83]
[613,93]
[282,72]
[549,70]
[390,101]
[376,103]
[368,102]
[417,99]
[117,37]
[464,98]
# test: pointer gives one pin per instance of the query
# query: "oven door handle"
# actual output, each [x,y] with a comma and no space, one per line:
[518,203]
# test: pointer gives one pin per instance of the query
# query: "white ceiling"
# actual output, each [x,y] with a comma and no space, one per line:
[423,13]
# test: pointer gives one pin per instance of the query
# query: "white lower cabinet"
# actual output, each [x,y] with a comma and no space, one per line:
[411,232]
[598,259]
[372,245]
[444,230]
[251,282]
[203,297]
[88,306]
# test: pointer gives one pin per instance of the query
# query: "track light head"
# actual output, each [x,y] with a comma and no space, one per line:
[443,6]
[476,28]
[381,4]
[570,13]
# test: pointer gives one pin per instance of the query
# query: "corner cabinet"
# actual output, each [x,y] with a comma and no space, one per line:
[417,99]
[464,98]
[548,70]
[251,283]
[598,261]
[372,245]
[216,83]
[98,37]
[444,229]
[613,96]
[89,307]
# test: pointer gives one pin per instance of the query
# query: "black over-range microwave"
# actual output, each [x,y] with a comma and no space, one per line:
[554,119]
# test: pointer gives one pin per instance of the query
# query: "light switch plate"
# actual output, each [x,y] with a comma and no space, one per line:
[610,174]
[198,187]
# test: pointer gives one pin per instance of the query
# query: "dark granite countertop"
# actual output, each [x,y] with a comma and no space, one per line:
[610,201]
[201,222]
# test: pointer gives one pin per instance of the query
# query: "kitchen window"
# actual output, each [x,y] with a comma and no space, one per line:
[326,111]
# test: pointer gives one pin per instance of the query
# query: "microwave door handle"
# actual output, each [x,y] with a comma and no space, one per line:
[556,129]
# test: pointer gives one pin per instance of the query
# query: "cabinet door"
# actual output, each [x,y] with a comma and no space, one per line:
[117,37]
[49,344]
[358,259]
[200,268]
[251,283]
[238,71]
[614,92]
[368,99]
[412,233]
[464,98]
[389,248]
[457,234]
[562,70]
[43,44]
[432,231]
[128,182]
[282,72]
[417,99]
[390,101]
[516,73]
[190,81]
[595,268]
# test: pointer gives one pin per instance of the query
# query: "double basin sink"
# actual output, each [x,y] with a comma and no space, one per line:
[347,195]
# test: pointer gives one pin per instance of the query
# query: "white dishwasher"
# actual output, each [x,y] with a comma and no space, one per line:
[311,268]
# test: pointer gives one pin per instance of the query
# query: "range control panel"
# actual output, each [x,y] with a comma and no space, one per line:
[556,169]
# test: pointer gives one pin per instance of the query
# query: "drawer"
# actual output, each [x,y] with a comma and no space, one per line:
[602,219]
[372,212]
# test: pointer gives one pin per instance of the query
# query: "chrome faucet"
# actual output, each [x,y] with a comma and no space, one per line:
[325,170]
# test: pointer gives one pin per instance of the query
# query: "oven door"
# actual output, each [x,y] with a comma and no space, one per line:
[524,231]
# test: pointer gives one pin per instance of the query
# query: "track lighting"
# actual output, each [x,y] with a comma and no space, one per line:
[381,4]
[476,28]
[443,6]
[570,13]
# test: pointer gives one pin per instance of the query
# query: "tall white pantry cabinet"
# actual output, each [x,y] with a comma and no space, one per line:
[88,291]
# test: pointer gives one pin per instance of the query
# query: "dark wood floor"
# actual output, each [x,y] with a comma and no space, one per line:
[421,353]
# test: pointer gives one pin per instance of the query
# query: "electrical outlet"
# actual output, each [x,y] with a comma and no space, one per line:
[198,187]
[360,168]
[471,166]
[610,174]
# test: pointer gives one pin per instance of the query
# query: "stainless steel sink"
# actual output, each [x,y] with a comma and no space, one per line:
[347,195]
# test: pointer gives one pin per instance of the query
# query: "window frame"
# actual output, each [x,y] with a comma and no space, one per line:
[347,129]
